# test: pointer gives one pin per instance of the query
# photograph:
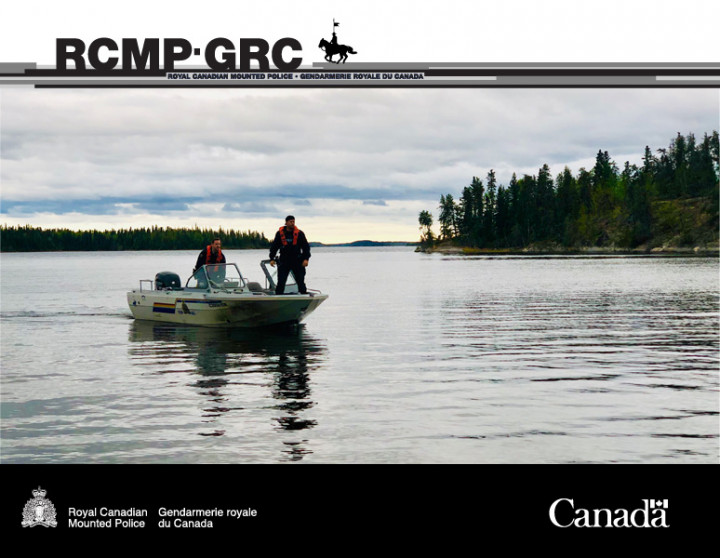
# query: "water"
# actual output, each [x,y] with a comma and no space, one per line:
[414,358]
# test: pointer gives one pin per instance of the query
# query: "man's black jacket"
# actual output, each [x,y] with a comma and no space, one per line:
[290,252]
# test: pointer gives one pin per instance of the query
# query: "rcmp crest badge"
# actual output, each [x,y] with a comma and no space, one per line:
[39,511]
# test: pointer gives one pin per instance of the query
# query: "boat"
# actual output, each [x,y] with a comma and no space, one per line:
[219,295]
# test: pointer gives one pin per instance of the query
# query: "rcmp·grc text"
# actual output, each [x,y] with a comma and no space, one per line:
[220,54]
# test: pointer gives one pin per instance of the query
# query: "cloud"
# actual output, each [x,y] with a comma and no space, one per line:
[250,207]
[100,206]
[260,153]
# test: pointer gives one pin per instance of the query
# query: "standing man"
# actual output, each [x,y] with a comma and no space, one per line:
[210,255]
[294,255]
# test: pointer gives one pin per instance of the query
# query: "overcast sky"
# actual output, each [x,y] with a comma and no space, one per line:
[350,164]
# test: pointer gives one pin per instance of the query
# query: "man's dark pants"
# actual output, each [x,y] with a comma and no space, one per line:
[299,273]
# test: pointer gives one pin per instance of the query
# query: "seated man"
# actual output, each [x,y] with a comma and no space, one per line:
[211,254]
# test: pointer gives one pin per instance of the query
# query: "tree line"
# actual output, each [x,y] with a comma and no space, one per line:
[602,206]
[36,239]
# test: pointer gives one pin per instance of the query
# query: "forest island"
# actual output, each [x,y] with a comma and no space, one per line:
[669,204]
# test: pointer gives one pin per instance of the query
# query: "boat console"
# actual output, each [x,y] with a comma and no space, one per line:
[217,276]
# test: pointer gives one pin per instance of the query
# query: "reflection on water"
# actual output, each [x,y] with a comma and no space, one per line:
[416,358]
[220,359]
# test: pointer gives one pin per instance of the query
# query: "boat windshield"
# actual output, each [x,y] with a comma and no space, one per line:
[271,278]
[216,276]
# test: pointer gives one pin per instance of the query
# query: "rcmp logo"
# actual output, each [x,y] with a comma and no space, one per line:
[332,47]
[39,511]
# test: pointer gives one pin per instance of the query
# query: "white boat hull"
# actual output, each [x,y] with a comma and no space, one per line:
[219,309]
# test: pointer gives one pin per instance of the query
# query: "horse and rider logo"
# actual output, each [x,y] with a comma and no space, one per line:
[332,48]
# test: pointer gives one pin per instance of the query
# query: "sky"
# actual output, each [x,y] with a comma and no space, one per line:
[350,164]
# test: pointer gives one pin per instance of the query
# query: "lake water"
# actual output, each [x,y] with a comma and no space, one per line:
[414,358]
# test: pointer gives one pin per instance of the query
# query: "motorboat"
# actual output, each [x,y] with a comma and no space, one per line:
[219,295]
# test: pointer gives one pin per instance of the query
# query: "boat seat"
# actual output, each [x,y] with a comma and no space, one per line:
[255,287]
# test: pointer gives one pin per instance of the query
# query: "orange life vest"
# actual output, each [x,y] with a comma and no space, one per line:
[207,256]
[296,232]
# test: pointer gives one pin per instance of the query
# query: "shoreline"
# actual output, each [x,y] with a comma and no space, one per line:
[713,251]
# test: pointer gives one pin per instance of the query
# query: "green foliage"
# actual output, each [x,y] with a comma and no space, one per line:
[426,221]
[672,197]
[448,217]
[36,239]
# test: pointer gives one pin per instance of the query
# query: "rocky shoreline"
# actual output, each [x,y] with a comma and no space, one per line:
[712,250]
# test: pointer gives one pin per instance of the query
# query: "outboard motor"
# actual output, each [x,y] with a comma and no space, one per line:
[167,280]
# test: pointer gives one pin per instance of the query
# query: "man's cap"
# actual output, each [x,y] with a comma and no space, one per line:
[289,217]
